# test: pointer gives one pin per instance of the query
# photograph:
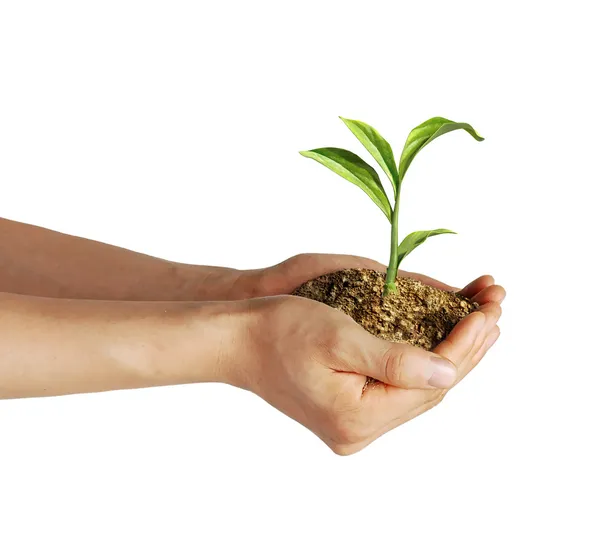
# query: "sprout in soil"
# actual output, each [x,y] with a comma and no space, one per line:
[357,171]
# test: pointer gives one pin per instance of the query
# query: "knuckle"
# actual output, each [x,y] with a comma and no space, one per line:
[345,433]
[332,344]
[301,257]
[296,260]
[345,403]
[348,427]
[344,450]
[392,361]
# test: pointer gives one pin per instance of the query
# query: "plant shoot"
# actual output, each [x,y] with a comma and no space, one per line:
[354,169]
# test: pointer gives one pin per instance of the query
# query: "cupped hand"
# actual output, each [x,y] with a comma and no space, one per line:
[312,362]
[284,277]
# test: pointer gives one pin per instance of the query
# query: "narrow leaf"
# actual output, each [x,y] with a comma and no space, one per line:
[377,146]
[423,134]
[355,170]
[415,239]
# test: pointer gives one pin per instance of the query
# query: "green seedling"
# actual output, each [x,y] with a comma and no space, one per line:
[357,171]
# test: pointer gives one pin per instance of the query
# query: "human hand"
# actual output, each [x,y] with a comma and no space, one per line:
[284,277]
[311,362]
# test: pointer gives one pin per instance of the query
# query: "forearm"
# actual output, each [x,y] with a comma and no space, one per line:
[57,346]
[39,262]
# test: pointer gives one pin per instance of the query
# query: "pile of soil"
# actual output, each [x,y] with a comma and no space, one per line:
[418,314]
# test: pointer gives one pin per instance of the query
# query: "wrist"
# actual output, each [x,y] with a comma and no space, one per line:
[259,283]
[206,283]
[211,344]
[218,284]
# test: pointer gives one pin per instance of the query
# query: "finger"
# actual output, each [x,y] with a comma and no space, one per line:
[477,285]
[385,402]
[489,342]
[492,312]
[408,367]
[397,364]
[493,293]
[457,346]
[414,403]
[390,406]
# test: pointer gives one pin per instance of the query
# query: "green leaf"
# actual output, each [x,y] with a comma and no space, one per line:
[422,135]
[377,146]
[415,239]
[355,170]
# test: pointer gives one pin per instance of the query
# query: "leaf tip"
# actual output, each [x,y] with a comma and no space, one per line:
[476,135]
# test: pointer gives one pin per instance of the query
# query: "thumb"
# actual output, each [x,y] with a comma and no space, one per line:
[408,367]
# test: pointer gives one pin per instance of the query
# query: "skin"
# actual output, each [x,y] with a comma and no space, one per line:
[80,316]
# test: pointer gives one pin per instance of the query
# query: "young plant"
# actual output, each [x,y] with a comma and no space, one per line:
[357,171]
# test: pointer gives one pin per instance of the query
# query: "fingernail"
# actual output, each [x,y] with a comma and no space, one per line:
[443,373]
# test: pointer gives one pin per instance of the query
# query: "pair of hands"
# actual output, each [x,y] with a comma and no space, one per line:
[312,362]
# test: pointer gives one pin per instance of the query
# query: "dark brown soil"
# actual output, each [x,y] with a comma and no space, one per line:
[418,314]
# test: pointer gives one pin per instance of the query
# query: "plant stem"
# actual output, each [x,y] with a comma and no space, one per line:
[392,271]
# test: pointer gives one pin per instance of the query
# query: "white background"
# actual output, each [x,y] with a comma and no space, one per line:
[173,128]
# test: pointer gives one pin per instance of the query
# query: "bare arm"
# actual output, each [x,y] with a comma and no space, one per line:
[40,262]
[306,359]
[57,346]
